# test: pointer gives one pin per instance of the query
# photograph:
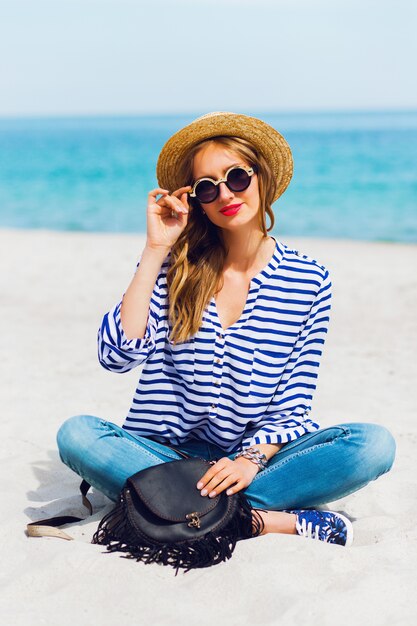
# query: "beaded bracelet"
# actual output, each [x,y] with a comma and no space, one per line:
[254,455]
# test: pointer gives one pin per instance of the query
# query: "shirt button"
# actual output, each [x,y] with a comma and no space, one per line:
[216,382]
[220,336]
[218,360]
[213,406]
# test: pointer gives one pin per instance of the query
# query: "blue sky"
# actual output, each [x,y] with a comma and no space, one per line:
[66,57]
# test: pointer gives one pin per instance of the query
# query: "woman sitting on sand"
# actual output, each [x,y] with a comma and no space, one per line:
[230,325]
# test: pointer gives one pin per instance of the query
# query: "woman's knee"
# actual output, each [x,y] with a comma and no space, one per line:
[386,445]
[375,445]
[75,436]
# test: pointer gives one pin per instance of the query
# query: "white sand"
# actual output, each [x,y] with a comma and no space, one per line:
[54,290]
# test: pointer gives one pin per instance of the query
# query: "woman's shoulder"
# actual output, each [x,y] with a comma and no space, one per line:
[301,262]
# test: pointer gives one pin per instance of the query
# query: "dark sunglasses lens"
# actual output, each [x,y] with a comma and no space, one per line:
[238,179]
[206,191]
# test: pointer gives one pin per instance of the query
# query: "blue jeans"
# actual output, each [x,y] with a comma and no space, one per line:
[316,468]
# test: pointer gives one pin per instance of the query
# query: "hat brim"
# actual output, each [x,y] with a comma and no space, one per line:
[268,141]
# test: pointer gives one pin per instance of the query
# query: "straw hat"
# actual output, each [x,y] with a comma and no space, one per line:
[260,134]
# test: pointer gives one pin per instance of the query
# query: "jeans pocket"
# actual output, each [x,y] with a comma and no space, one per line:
[179,360]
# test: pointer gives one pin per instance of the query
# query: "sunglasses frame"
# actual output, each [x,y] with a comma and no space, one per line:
[248,169]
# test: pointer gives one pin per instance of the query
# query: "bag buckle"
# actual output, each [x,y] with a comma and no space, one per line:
[194,519]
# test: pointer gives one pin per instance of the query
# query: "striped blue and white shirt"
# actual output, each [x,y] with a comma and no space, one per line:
[250,384]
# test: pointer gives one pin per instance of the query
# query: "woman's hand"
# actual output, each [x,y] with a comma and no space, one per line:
[163,230]
[227,474]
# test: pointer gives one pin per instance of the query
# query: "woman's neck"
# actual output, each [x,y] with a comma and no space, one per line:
[247,254]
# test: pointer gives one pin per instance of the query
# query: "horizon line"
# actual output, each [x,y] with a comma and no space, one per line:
[168,114]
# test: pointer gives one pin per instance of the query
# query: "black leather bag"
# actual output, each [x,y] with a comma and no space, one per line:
[161,517]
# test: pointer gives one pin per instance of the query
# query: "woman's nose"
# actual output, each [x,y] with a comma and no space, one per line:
[224,192]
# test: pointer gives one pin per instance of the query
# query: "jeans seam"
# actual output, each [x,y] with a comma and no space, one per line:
[140,444]
[142,448]
[344,432]
[167,454]
[270,469]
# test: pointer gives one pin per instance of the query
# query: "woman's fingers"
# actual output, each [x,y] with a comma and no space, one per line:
[214,469]
[176,201]
[166,216]
[219,478]
[237,487]
[182,194]
[157,192]
[184,200]
[232,479]
[172,202]
[181,191]
[226,474]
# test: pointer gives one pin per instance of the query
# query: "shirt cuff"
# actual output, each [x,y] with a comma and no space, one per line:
[284,432]
[114,335]
[132,345]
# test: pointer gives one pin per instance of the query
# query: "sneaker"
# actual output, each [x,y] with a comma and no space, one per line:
[325,526]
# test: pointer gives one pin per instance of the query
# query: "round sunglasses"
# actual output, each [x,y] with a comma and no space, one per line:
[237,178]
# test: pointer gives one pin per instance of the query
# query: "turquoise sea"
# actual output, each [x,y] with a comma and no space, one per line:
[355,174]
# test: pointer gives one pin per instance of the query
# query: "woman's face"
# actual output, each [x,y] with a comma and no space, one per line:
[213,160]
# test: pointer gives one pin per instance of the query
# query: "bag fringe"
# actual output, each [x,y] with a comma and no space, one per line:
[116,532]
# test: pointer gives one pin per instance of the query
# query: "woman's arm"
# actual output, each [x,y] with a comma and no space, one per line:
[127,334]
[135,303]
[269,449]
[121,351]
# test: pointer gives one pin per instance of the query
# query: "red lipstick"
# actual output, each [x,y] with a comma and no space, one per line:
[231,209]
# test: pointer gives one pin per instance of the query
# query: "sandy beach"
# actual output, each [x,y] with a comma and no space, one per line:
[55,287]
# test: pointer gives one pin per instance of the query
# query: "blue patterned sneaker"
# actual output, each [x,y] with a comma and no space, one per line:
[325,526]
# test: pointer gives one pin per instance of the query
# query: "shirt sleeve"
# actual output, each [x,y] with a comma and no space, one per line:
[287,418]
[116,352]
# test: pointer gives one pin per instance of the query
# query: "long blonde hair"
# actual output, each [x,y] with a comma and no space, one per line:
[195,273]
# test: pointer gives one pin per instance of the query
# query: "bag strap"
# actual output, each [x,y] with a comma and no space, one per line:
[48,527]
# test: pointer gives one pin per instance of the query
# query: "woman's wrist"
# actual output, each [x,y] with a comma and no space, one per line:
[249,462]
[270,449]
[156,249]
[254,455]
